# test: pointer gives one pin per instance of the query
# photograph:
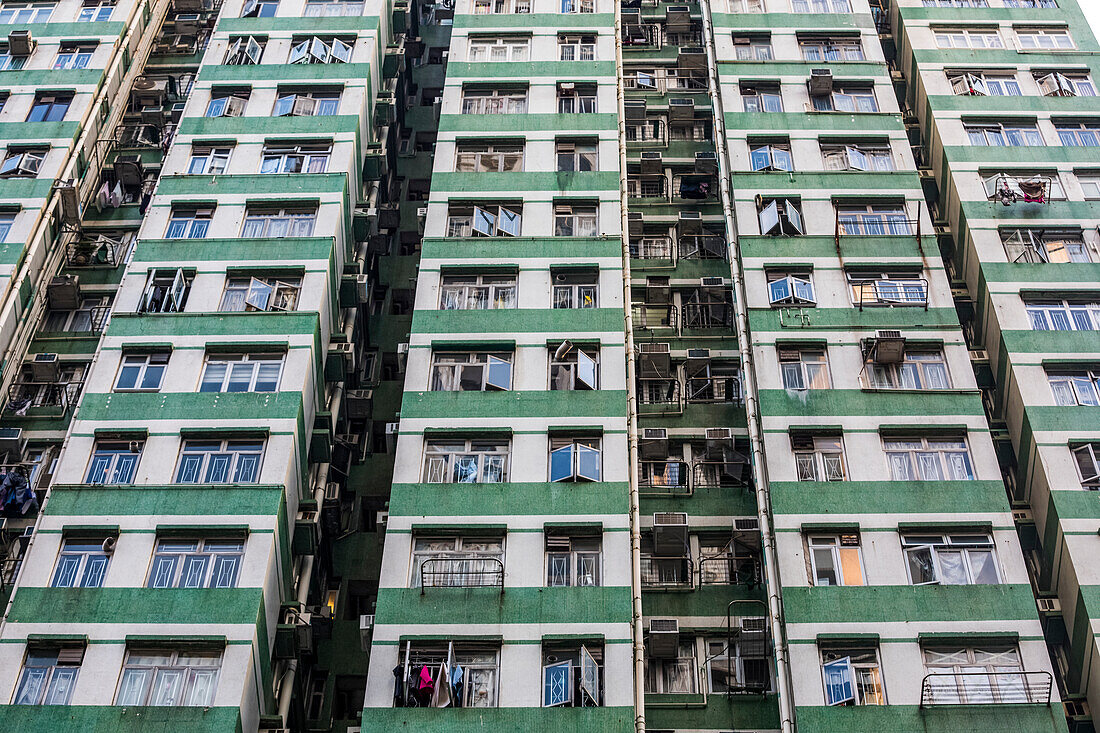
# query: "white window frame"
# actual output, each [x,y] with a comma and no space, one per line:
[830,50]
[306,104]
[23,162]
[1087,457]
[255,363]
[576,48]
[226,104]
[1030,39]
[208,550]
[797,362]
[1077,387]
[927,550]
[332,8]
[789,288]
[911,374]
[968,38]
[266,293]
[480,101]
[475,156]
[148,678]
[1073,314]
[1036,246]
[578,369]
[317,50]
[485,221]
[824,463]
[197,457]
[490,458]
[574,551]
[502,7]
[579,452]
[936,449]
[74,55]
[498,49]
[835,546]
[209,159]
[579,219]
[147,365]
[298,222]
[478,292]
[864,674]
[245,51]
[449,369]
[310,158]
[775,156]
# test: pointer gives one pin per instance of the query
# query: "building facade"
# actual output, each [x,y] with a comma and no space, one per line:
[550,365]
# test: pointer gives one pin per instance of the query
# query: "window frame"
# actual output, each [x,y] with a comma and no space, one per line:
[579,452]
[146,364]
[835,545]
[209,160]
[501,291]
[108,462]
[565,373]
[175,555]
[91,563]
[573,550]
[824,454]
[934,545]
[487,381]
[188,674]
[492,458]
[260,293]
[929,445]
[820,376]
[1082,385]
[260,221]
[859,674]
[263,362]
[54,687]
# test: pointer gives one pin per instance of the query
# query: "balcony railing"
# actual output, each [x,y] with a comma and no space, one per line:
[730,570]
[713,390]
[986,688]
[708,314]
[660,396]
[717,474]
[667,572]
[887,292]
[702,247]
[665,478]
[91,252]
[462,572]
[651,248]
[60,396]
[654,317]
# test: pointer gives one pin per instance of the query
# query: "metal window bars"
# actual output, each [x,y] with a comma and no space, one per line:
[749,635]
[910,291]
[672,573]
[702,247]
[986,688]
[462,572]
[656,316]
[660,396]
[651,248]
[848,224]
[664,478]
[54,397]
[729,569]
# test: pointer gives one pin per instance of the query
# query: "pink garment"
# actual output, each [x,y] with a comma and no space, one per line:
[425,679]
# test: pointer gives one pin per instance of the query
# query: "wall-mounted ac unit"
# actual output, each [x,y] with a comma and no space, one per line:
[21,43]
[635,224]
[654,443]
[63,293]
[712,282]
[706,162]
[11,442]
[719,434]
[681,109]
[670,533]
[889,347]
[979,355]
[821,82]
[1048,605]
[359,403]
[634,110]
[366,626]
[664,638]
[45,368]
[1021,515]
[651,163]
[746,524]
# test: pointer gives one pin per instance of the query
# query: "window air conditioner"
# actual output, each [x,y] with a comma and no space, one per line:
[979,355]
[719,434]
[821,82]
[654,443]
[712,282]
[651,163]
[63,293]
[664,638]
[1048,605]
[359,403]
[655,360]
[1021,515]
[670,533]
[747,524]
[706,163]
[20,43]
[11,441]
[634,110]
[366,626]
[889,347]
[698,353]
[635,224]
[45,368]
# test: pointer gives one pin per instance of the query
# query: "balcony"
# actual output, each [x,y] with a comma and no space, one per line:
[462,572]
[667,573]
[702,247]
[730,570]
[660,397]
[45,398]
[665,478]
[707,314]
[718,474]
[651,248]
[672,477]
[714,391]
[986,688]
[654,317]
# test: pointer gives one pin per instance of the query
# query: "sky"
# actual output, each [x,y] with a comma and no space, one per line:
[1092,12]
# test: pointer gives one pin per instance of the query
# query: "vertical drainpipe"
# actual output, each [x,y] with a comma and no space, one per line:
[748,381]
[631,396]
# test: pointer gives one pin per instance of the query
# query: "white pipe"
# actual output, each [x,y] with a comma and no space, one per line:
[631,397]
[748,369]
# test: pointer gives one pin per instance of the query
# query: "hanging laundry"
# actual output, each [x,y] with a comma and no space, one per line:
[103,197]
[441,695]
[456,685]
[116,195]
[399,686]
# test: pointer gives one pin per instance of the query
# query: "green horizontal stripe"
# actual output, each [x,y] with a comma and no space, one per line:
[299,249]
[525,320]
[136,605]
[913,719]
[212,324]
[145,406]
[533,403]
[408,607]
[509,499]
[112,719]
[854,402]
[218,186]
[840,499]
[899,603]
[478,720]
[148,500]
[444,183]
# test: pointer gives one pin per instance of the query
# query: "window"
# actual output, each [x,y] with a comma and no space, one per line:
[294,158]
[804,369]
[956,3]
[1044,39]
[333,8]
[977,675]
[465,462]
[576,98]
[821,6]
[49,107]
[572,675]
[49,673]
[1008,188]
[874,220]
[575,220]
[577,48]
[928,459]
[316,50]
[848,98]
[1030,3]
[500,49]
[1064,315]
[22,162]
[471,372]
[275,223]
[477,292]
[168,678]
[674,674]
[501,7]
[196,563]
[1066,85]
[818,457]
[780,217]
[985,84]
[241,373]
[968,38]
[573,367]
[477,157]
[475,671]
[477,101]
[1089,182]
[209,160]
[574,459]
[165,291]
[311,104]
[245,51]
[746,6]
[259,8]
[572,560]
[487,221]
[1045,245]
[82,563]
[577,156]
[7,219]
[752,49]
[771,157]
[1075,387]
[89,317]
[857,157]
[578,6]
[141,372]
[1087,457]
[575,290]
[74,55]
[219,462]
[745,667]
[919,370]
[25,12]
[952,558]
[114,462]
[887,288]
[227,104]
[10,62]
[762,98]
[831,49]
[852,676]
[790,289]
[186,223]
[1084,134]
[267,293]
[835,559]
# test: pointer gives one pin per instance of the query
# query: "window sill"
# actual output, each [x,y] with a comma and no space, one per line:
[893,390]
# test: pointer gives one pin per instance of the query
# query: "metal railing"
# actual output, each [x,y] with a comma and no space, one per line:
[652,317]
[986,688]
[873,292]
[653,186]
[24,395]
[713,390]
[660,396]
[665,478]
[730,570]
[717,474]
[882,224]
[89,253]
[702,247]
[651,248]
[667,572]
[707,314]
[462,572]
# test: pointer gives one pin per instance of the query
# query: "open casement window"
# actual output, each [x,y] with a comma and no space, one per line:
[22,162]
[480,101]
[574,459]
[196,563]
[261,293]
[835,559]
[969,84]
[746,667]
[818,458]
[762,98]
[49,673]
[1037,246]
[857,158]
[471,372]
[477,292]
[142,372]
[576,368]
[479,157]
[82,563]
[572,560]
[804,369]
[484,221]
[168,678]
[852,676]
[954,558]
[316,50]
[165,291]
[227,104]
[1087,458]
[245,51]
[572,676]
[241,373]
[771,157]
[785,289]
[259,8]
[458,674]
[312,104]
[209,160]
[780,217]
[1076,387]
[575,290]
[929,459]
[1064,316]
[465,462]
[1026,187]
[114,462]
[578,6]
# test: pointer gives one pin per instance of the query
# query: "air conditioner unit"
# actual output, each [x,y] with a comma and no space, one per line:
[359,403]
[635,224]
[45,368]
[664,638]
[343,350]
[681,109]
[129,170]
[712,282]
[654,360]
[176,111]
[677,18]
[754,624]
[11,441]
[20,43]
[651,163]
[402,356]
[149,92]
[631,16]
[698,353]
[889,347]
[63,293]
[692,58]
[821,82]
[670,533]
[1076,708]
[979,355]
[421,217]
[658,289]
[706,163]
[332,491]
[1021,515]
[719,434]
[392,429]
[366,626]
[690,222]
[362,288]
[746,524]
[1048,605]
[634,110]
[654,443]
[186,24]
